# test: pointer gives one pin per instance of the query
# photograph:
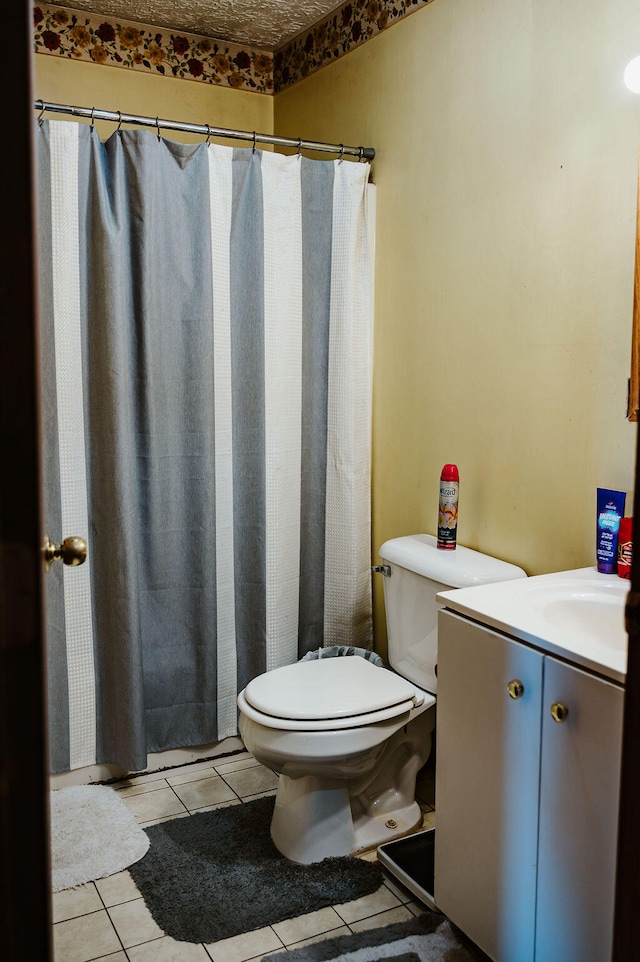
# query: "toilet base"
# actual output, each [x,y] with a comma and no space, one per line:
[374,831]
[311,819]
[316,817]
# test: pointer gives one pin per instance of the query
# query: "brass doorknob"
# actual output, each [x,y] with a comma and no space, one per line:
[72,551]
[515,688]
[559,711]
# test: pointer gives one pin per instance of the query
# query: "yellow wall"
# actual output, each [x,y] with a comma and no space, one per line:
[506,165]
[83,84]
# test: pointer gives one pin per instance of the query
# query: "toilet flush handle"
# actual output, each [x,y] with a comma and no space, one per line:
[382,569]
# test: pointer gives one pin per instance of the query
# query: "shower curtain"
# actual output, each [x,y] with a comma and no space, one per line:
[206,369]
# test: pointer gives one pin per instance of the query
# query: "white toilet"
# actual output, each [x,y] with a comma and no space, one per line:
[347,737]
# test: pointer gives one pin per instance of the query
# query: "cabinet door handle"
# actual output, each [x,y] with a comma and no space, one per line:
[515,688]
[559,711]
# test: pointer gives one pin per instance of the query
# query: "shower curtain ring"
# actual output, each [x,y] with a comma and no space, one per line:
[208,134]
[118,131]
[158,128]
[93,110]
[41,114]
[254,142]
[341,153]
[299,146]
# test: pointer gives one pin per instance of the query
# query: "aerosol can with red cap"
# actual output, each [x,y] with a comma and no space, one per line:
[448,507]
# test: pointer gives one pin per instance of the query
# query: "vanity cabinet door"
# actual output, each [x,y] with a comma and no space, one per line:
[579,792]
[487,780]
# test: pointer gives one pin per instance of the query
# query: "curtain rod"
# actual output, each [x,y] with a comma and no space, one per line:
[205,130]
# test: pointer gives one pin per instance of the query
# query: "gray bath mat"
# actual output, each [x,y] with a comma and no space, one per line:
[93,834]
[216,874]
[428,938]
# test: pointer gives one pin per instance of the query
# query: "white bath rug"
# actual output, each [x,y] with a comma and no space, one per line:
[423,939]
[93,834]
[441,946]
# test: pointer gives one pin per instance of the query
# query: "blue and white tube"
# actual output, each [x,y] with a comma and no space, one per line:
[610,510]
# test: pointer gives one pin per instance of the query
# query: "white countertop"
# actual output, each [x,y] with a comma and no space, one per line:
[578,615]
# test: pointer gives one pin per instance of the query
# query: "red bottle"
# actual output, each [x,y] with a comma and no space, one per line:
[448,507]
[625,547]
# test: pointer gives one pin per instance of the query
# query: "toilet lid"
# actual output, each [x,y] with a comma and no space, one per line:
[330,688]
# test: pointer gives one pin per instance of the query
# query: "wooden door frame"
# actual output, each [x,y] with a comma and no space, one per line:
[25,901]
[625,939]
[628,865]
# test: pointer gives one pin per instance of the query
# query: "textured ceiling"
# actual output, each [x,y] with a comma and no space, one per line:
[258,23]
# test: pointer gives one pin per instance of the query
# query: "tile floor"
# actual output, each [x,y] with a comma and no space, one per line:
[108,919]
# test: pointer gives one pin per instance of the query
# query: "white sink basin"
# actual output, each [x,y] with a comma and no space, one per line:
[588,611]
[577,614]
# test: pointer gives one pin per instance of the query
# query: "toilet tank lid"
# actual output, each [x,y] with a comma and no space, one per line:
[458,568]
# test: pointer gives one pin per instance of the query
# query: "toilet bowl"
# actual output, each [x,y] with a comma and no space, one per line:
[347,747]
[348,737]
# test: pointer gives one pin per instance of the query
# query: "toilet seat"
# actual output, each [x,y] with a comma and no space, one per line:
[334,693]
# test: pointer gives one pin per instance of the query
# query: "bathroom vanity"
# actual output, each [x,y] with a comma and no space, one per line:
[529,731]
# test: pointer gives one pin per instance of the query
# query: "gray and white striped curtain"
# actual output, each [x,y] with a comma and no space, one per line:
[206,367]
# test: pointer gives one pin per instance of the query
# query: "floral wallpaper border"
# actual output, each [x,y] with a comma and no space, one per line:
[64,32]
[77,35]
[346,28]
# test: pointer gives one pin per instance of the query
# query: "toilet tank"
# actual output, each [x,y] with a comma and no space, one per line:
[418,571]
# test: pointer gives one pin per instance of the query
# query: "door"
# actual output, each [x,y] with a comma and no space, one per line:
[579,797]
[25,920]
[488,755]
